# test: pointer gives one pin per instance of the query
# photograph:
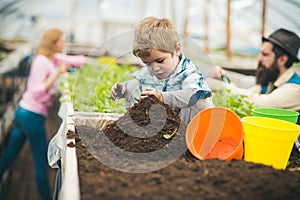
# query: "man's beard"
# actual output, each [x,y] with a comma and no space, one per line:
[264,75]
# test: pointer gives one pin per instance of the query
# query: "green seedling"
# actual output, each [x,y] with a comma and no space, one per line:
[169,136]
[237,103]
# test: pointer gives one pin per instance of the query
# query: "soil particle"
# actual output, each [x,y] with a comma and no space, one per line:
[71,134]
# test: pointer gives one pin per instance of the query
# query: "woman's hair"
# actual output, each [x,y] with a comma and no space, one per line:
[154,33]
[50,37]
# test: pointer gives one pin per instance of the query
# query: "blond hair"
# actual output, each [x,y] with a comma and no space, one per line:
[49,39]
[154,33]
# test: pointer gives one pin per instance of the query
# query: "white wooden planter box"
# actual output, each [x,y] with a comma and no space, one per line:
[69,168]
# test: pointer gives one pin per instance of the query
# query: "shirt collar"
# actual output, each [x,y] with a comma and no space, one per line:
[284,77]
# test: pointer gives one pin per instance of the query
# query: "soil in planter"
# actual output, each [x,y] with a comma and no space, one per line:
[184,178]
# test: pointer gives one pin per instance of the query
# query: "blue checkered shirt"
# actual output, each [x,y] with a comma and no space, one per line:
[183,88]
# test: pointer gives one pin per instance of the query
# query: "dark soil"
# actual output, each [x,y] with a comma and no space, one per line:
[107,173]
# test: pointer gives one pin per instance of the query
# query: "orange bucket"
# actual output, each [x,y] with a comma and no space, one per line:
[215,133]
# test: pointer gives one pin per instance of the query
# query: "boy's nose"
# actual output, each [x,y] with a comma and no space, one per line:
[155,66]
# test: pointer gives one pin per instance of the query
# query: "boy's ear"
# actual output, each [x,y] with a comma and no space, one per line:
[178,49]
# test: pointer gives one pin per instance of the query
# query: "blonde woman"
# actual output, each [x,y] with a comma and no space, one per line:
[33,108]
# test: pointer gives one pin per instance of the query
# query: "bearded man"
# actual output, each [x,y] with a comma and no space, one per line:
[277,84]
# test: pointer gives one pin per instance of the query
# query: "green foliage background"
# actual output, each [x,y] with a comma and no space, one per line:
[89,90]
[89,87]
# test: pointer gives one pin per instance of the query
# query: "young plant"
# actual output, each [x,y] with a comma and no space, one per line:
[237,103]
[89,87]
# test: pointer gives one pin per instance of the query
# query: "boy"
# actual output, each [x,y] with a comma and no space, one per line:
[170,76]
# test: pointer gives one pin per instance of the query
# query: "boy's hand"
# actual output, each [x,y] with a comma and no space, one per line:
[152,91]
[117,90]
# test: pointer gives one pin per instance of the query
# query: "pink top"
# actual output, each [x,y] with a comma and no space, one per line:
[73,60]
[36,98]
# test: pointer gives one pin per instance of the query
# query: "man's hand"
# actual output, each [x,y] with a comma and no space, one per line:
[118,91]
[152,91]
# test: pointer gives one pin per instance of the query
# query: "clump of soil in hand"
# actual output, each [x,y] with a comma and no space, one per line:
[143,127]
[139,112]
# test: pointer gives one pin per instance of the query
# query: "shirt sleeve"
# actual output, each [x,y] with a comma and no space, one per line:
[73,60]
[193,89]
[243,91]
[286,96]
